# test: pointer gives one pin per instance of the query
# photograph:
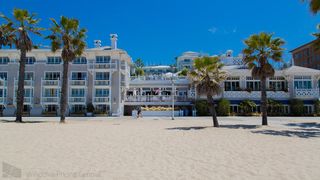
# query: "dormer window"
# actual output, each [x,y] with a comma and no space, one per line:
[30,60]
[103,59]
[54,60]
[80,60]
[4,60]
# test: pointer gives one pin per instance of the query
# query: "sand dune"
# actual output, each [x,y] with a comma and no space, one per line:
[158,148]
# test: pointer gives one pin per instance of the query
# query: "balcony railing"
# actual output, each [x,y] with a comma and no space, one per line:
[78,82]
[27,100]
[3,83]
[77,99]
[255,94]
[50,99]
[50,82]
[2,100]
[102,82]
[26,82]
[102,65]
[157,98]
[307,93]
[101,99]
[155,77]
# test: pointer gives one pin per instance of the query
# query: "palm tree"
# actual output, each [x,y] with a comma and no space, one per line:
[314,6]
[68,36]
[16,32]
[207,76]
[261,49]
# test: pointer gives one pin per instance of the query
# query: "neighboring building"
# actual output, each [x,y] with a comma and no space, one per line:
[307,55]
[157,70]
[99,77]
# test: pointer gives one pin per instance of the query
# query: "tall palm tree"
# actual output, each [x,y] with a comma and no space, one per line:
[68,36]
[207,76]
[260,51]
[314,6]
[17,32]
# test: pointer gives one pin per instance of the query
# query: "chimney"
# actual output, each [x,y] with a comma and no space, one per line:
[97,43]
[114,39]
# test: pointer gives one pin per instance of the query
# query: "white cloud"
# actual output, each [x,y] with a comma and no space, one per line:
[213,30]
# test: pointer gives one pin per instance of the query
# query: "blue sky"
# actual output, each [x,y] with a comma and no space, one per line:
[159,30]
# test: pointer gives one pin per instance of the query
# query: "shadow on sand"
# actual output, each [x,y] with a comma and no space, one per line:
[188,128]
[305,125]
[301,133]
[24,122]
[240,126]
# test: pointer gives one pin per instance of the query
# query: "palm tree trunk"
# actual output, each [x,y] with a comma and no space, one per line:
[213,110]
[264,101]
[20,91]
[64,92]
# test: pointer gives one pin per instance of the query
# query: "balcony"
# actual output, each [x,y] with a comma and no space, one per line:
[3,82]
[78,82]
[50,100]
[255,94]
[102,66]
[157,98]
[77,100]
[50,82]
[27,100]
[307,93]
[2,100]
[102,82]
[101,100]
[26,82]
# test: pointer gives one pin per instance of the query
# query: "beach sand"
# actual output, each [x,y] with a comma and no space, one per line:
[160,148]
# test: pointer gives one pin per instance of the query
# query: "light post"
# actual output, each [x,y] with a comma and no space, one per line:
[173,93]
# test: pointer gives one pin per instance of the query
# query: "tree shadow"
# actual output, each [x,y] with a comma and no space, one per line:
[23,122]
[301,133]
[188,128]
[240,126]
[305,125]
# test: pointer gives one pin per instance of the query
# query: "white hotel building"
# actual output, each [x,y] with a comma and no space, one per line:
[102,77]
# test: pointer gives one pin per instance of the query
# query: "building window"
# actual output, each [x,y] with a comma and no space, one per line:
[28,76]
[102,93]
[102,75]
[3,75]
[302,82]
[4,60]
[77,93]
[232,84]
[52,76]
[253,84]
[30,60]
[54,60]
[278,83]
[51,108]
[51,92]
[80,60]
[103,59]
[79,75]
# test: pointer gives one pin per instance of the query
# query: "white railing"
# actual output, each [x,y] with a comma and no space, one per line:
[27,100]
[50,99]
[101,99]
[77,99]
[2,100]
[157,98]
[307,93]
[156,77]
[50,82]
[255,94]
[101,82]
[102,65]
[78,82]
[26,82]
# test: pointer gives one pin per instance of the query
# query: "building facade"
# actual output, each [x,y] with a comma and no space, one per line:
[307,55]
[101,76]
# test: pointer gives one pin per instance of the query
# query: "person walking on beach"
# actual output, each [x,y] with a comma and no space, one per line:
[139,114]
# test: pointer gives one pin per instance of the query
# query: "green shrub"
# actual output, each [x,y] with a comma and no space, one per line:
[223,107]
[296,107]
[275,108]
[317,107]
[202,108]
[247,107]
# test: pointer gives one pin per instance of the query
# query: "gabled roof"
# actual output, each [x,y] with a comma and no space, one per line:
[311,42]
[299,69]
